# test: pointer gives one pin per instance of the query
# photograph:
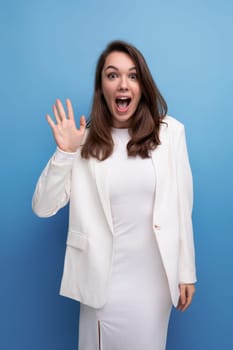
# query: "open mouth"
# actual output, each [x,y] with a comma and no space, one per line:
[123,103]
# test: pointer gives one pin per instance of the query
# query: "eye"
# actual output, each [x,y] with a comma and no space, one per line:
[133,76]
[112,76]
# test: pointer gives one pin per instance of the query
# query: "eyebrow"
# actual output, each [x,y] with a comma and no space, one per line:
[113,67]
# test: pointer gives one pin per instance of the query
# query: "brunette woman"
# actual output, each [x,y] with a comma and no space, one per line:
[126,174]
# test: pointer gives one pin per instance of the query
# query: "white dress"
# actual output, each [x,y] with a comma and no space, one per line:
[137,311]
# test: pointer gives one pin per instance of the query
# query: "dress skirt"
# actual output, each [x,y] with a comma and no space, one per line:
[136,314]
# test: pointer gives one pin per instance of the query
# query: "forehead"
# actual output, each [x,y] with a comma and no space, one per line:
[120,60]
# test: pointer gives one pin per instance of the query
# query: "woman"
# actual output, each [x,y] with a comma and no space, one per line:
[130,252]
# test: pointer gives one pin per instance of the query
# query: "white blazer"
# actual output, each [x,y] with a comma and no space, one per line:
[88,257]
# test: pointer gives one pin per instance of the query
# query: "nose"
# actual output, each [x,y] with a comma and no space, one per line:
[123,84]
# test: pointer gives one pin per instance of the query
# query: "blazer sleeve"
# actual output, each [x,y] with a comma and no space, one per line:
[187,269]
[52,191]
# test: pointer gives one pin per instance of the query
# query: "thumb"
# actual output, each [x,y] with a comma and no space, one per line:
[82,123]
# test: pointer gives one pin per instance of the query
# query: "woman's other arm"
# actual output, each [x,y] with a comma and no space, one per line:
[187,270]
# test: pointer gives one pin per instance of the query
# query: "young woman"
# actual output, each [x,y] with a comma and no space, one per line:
[130,252]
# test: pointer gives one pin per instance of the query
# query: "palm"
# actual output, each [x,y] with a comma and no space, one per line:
[67,136]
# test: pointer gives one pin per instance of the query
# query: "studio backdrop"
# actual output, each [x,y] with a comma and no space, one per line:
[49,50]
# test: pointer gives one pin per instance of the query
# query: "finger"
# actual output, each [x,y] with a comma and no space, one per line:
[82,123]
[56,114]
[190,293]
[179,305]
[182,295]
[188,302]
[70,109]
[184,307]
[50,121]
[61,110]
[189,296]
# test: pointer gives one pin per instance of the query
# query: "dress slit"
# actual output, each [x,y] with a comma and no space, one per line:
[99,335]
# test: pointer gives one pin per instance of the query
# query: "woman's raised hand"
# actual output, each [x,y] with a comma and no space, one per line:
[67,136]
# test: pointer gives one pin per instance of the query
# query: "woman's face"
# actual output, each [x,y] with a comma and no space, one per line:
[121,88]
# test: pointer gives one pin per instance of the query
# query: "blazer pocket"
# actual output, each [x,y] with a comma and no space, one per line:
[77,240]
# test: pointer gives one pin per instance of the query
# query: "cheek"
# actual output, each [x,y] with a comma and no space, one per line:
[107,98]
[107,93]
[137,91]
[139,94]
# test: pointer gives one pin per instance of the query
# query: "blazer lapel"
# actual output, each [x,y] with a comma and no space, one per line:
[100,169]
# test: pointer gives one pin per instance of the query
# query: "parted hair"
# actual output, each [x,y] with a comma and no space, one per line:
[144,124]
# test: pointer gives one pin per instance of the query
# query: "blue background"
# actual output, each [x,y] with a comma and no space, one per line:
[49,50]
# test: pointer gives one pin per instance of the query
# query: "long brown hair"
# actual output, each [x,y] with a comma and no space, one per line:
[145,123]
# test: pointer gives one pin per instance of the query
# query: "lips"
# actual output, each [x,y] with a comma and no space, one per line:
[123,103]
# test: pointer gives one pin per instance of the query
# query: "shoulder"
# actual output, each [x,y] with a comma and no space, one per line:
[171,131]
[172,123]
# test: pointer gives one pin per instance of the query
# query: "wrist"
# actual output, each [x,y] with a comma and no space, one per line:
[67,151]
[63,156]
